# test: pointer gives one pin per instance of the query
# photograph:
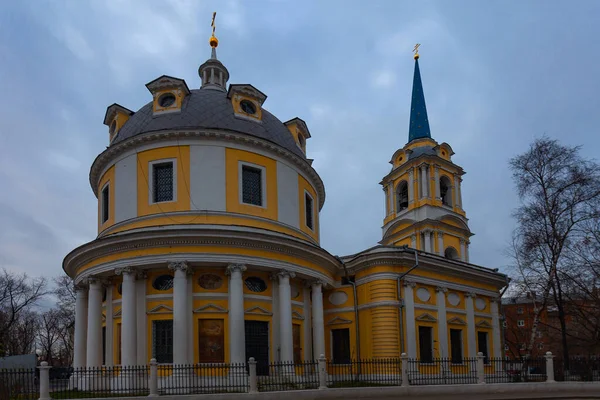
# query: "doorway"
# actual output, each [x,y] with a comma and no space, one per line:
[257,344]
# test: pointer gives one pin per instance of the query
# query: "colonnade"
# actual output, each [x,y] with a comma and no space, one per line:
[88,318]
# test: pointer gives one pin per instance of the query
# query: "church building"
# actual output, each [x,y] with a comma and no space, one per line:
[208,246]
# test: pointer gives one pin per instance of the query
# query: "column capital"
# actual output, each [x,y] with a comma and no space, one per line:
[427,231]
[409,283]
[439,234]
[413,237]
[462,241]
[441,289]
[284,273]
[91,280]
[410,173]
[495,299]
[231,268]
[471,294]
[437,167]
[80,288]
[178,265]
[142,274]
[125,271]
[315,282]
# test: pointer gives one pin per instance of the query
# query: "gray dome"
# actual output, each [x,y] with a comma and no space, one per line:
[211,109]
[419,151]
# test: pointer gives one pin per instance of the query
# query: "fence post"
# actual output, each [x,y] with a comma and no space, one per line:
[480,368]
[404,366]
[253,378]
[153,384]
[549,367]
[322,372]
[44,381]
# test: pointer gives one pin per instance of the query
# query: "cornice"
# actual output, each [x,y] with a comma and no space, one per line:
[114,151]
[444,165]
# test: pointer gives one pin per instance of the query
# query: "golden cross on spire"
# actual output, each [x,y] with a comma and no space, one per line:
[416,51]
[212,23]
[214,42]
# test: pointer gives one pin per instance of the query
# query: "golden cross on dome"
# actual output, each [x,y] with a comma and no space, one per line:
[213,41]
[416,51]
[212,23]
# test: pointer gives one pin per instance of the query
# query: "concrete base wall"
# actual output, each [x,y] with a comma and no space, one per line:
[513,391]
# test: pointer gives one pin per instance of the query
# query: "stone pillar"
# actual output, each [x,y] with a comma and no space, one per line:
[307,323]
[285,316]
[471,336]
[424,182]
[389,201]
[317,319]
[442,326]
[109,351]
[413,241]
[190,316]
[496,328]
[437,182]
[427,235]
[409,306]
[275,319]
[457,196]
[141,318]
[180,322]
[411,187]
[94,332]
[440,238]
[237,333]
[467,251]
[463,251]
[81,316]
[128,318]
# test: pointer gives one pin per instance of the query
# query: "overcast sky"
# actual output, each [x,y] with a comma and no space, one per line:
[495,76]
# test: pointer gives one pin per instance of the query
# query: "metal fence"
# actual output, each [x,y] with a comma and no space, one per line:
[202,378]
[282,376]
[504,370]
[372,372]
[442,371]
[19,384]
[577,369]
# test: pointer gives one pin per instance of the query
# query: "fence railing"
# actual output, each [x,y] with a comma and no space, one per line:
[156,380]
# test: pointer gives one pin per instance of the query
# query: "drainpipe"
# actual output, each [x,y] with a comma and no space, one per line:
[501,312]
[357,331]
[400,300]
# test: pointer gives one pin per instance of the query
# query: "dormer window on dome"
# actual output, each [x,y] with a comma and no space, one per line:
[168,94]
[299,131]
[115,117]
[247,101]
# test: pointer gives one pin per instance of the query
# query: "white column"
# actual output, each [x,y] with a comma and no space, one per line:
[471,341]
[457,196]
[467,251]
[413,241]
[128,318]
[190,316]
[427,235]
[463,251]
[237,340]
[275,318]
[442,326]
[285,316]
[180,323]
[307,323]
[423,180]
[437,182]
[317,319]
[409,307]
[388,201]
[94,332]
[497,342]
[411,187]
[108,354]
[81,313]
[141,319]
[440,238]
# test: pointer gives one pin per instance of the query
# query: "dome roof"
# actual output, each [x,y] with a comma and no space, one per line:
[211,109]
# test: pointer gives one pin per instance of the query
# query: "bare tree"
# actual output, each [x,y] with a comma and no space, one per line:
[559,191]
[18,293]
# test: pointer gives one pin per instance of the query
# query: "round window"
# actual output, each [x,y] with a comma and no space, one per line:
[163,282]
[210,281]
[248,107]
[255,284]
[166,100]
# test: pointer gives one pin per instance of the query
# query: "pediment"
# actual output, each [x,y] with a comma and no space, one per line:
[246,90]
[426,318]
[456,321]
[210,308]
[297,315]
[258,311]
[160,309]
[113,110]
[483,324]
[339,321]
[167,82]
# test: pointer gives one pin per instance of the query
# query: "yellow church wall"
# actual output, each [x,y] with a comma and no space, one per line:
[298,284]
[452,241]
[182,201]
[432,295]
[327,305]
[108,177]
[461,304]
[135,253]
[232,159]
[303,186]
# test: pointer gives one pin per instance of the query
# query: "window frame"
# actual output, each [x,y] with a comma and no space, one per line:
[307,194]
[151,165]
[486,354]
[520,310]
[521,323]
[263,183]
[334,361]
[431,359]
[462,354]
[103,205]
[154,338]
[199,323]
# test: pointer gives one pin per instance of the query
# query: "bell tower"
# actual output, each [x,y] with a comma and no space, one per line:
[423,190]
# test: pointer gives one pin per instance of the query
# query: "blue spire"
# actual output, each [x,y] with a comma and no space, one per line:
[419,124]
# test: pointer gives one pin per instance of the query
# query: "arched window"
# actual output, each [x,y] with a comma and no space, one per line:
[451,253]
[446,191]
[401,196]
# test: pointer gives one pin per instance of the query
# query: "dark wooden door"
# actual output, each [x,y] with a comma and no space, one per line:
[257,345]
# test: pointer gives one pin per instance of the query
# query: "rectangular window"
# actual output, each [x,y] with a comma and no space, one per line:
[252,185]
[105,204]
[162,341]
[426,344]
[482,345]
[211,339]
[162,182]
[456,344]
[341,345]
[521,322]
[520,310]
[297,346]
[308,206]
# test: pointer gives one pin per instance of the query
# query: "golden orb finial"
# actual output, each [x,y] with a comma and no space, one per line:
[213,41]
[416,51]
